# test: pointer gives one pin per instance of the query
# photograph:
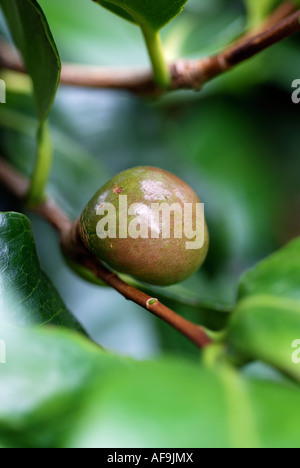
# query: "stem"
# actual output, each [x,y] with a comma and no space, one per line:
[37,193]
[285,28]
[192,74]
[162,75]
[73,247]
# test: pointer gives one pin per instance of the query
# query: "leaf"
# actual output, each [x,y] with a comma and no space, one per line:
[266,322]
[265,328]
[33,38]
[190,406]
[153,14]
[97,26]
[59,390]
[278,275]
[26,294]
[46,374]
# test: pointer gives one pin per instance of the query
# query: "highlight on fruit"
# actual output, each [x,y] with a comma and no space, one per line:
[147,223]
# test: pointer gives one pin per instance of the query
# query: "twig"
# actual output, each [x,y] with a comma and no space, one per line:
[14,182]
[72,246]
[75,249]
[195,74]
[284,29]
[281,12]
[18,185]
[185,74]
[89,76]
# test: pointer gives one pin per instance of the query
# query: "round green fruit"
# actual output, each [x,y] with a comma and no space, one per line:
[122,227]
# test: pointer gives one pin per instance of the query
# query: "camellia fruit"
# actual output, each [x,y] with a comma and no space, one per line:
[147,223]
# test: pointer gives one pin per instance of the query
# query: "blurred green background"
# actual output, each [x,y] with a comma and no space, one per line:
[236,143]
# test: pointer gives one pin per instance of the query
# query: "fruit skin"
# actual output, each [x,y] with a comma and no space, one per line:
[155,261]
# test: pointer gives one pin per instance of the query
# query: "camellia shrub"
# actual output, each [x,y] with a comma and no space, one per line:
[184,203]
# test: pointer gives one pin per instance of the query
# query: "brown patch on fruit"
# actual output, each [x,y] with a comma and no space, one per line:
[117,190]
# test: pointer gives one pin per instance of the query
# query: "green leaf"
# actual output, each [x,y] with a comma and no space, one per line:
[31,33]
[278,275]
[59,390]
[26,294]
[37,192]
[266,328]
[149,13]
[266,322]
[33,38]
[173,404]
[47,372]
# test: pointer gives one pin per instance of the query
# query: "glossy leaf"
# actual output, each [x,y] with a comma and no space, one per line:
[33,38]
[46,373]
[26,294]
[187,407]
[267,328]
[147,13]
[59,390]
[266,323]
[278,275]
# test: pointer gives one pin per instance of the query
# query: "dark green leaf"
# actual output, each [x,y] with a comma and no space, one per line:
[26,294]
[33,38]
[147,13]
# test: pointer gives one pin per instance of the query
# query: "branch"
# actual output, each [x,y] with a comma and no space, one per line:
[186,74]
[276,33]
[74,248]
[281,12]
[89,76]
[195,74]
